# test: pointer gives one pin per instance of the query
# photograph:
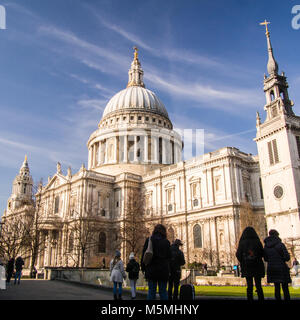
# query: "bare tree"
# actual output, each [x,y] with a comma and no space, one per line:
[12,235]
[133,228]
[248,217]
[82,238]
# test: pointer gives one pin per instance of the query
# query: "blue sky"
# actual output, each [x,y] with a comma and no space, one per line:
[62,60]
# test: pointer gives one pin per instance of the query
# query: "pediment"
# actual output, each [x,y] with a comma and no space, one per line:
[169,185]
[194,179]
[56,181]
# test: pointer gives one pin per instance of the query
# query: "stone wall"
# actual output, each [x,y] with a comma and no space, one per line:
[86,275]
[225,280]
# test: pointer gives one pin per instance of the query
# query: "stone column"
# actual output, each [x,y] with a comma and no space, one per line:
[156,153]
[135,150]
[90,158]
[49,248]
[116,155]
[164,151]
[125,146]
[146,138]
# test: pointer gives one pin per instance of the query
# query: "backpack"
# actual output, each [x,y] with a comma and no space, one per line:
[250,258]
[135,269]
[187,292]
[148,253]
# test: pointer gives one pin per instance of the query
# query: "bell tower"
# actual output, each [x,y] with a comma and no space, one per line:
[22,188]
[278,144]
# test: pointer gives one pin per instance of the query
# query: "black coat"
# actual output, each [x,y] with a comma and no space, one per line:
[10,266]
[176,261]
[158,269]
[19,264]
[276,254]
[129,268]
[255,267]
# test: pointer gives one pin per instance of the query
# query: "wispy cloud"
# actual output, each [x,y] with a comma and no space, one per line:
[211,95]
[96,104]
[172,54]
[84,50]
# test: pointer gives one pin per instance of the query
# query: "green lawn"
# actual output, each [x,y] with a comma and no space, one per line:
[239,291]
[235,291]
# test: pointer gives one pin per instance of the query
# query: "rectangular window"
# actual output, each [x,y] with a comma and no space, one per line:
[298,145]
[56,204]
[261,189]
[273,152]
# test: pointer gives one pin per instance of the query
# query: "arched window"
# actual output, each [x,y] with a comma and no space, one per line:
[171,235]
[197,233]
[272,95]
[71,242]
[221,239]
[102,242]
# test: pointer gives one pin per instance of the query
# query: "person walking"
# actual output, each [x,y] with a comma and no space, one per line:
[157,271]
[276,255]
[133,269]
[117,275]
[10,269]
[177,260]
[204,266]
[250,253]
[295,267]
[19,266]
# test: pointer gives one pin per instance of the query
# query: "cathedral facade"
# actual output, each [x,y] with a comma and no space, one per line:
[204,201]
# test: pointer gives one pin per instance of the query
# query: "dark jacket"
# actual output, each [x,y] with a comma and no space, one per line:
[130,268]
[19,264]
[10,265]
[177,260]
[250,253]
[158,269]
[276,254]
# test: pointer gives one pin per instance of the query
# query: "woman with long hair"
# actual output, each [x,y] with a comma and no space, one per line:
[157,271]
[117,275]
[276,255]
[250,253]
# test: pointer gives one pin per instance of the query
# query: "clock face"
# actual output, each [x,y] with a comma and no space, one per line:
[278,192]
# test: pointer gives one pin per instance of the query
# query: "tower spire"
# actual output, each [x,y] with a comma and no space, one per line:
[135,73]
[25,162]
[272,66]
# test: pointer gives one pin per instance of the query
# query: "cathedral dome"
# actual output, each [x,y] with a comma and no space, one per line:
[135,98]
[135,133]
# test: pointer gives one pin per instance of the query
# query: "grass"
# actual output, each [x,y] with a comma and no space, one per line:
[235,291]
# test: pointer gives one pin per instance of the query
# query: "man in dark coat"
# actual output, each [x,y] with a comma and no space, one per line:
[276,254]
[250,253]
[19,267]
[10,269]
[176,262]
[157,272]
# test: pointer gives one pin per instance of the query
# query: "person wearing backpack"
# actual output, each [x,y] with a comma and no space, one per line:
[250,253]
[176,262]
[157,271]
[133,269]
[117,275]
[276,255]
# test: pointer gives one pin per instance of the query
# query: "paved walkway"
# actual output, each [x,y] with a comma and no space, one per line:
[54,290]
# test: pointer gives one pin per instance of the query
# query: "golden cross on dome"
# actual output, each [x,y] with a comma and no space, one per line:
[135,53]
[265,23]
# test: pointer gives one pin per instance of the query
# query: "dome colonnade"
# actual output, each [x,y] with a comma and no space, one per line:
[135,128]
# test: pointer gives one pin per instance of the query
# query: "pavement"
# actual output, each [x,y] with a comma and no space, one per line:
[57,290]
[33,289]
